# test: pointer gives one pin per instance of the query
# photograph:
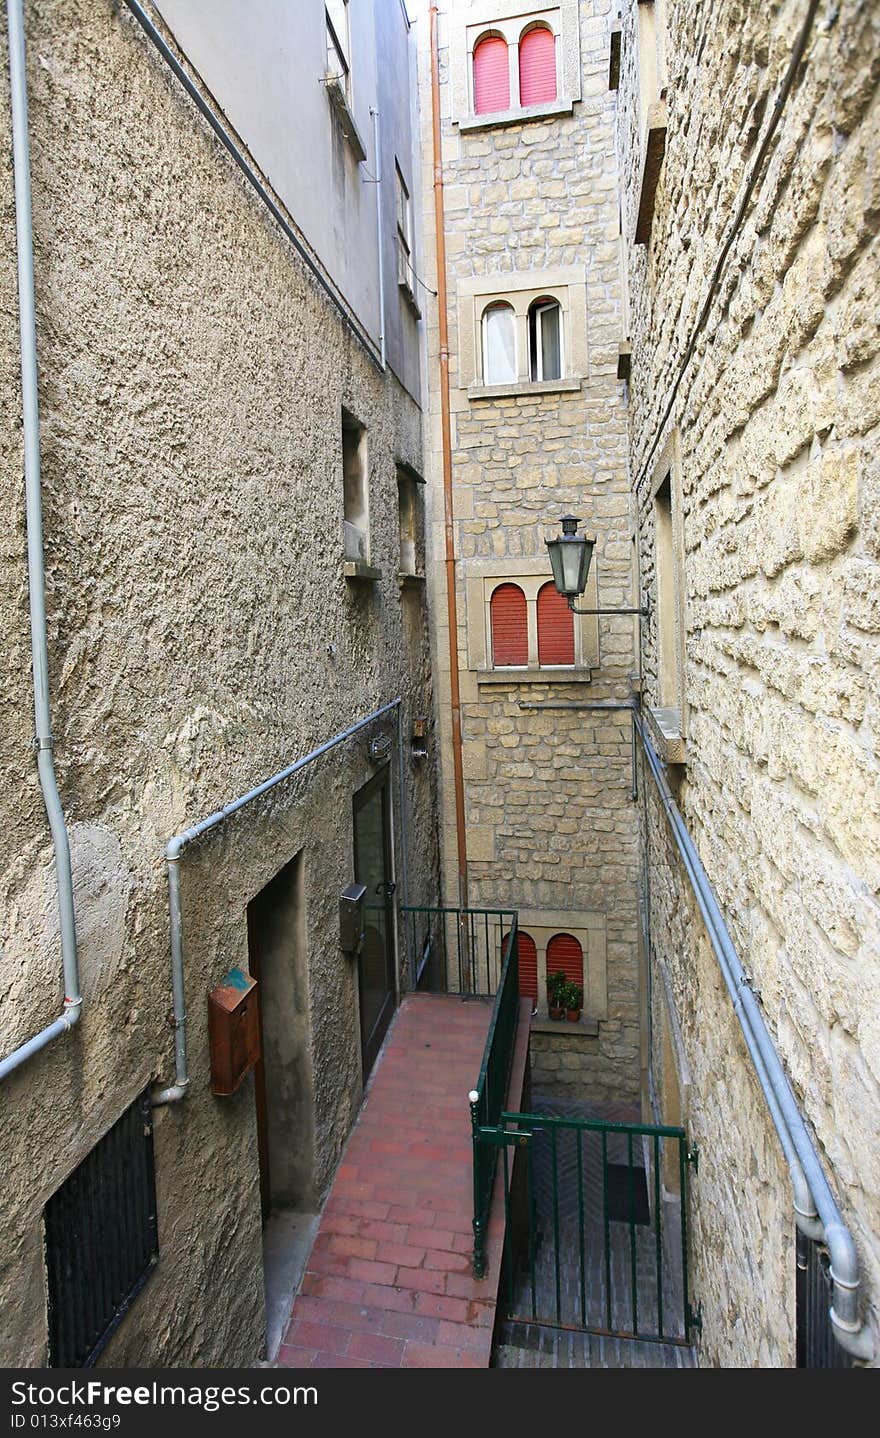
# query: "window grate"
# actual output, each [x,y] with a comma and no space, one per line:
[816,1345]
[101,1239]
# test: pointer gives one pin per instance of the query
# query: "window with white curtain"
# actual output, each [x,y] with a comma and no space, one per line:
[499,345]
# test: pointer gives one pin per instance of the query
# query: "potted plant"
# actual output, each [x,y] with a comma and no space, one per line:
[556,986]
[572,999]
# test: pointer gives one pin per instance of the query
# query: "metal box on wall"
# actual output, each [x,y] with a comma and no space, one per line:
[233,1030]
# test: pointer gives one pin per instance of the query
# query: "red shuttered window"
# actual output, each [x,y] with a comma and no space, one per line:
[537,67]
[491,76]
[555,627]
[528,965]
[565,953]
[510,630]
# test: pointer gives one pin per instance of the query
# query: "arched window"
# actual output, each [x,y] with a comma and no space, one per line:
[545,340]
[510,629]
[565,954]
[537,66]
[499,345]
[555,627]
[527,956]
[491,75]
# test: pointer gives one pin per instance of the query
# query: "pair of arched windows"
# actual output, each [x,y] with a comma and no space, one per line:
[564,955]
[544,329]
[508,614]
[536,57]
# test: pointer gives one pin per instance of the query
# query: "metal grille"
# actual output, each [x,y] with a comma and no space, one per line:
[101,1239]
[816,1344]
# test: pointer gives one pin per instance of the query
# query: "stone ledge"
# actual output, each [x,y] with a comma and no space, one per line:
[524,389]
[359,569]
[534,676]
[564,1028]
[407,580]
[666,735]
[342,110]
[519,116]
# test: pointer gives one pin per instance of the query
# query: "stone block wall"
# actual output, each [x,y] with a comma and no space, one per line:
[776,420]
[550,819]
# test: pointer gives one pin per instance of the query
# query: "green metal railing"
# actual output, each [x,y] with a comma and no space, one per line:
[594,1240]
[457,951]
[488,1097]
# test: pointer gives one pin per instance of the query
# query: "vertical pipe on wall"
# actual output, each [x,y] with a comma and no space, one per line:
[36,564]
[452,606]
[378,183]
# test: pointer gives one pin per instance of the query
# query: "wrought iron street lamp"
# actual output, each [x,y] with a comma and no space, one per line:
[570,556]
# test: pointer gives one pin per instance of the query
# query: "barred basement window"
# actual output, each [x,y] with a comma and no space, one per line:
[102,1239]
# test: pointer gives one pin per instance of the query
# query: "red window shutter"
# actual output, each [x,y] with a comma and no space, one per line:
[537,67]
[527,955]
[564,953]
[491,76]
[510,629]
[555,627]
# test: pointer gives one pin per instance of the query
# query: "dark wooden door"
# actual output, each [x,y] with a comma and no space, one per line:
[373,868]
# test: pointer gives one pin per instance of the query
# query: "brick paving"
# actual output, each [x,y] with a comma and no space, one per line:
[388,1281]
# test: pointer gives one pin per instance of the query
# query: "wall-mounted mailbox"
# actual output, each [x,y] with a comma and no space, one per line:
[351,918]
[234,1031]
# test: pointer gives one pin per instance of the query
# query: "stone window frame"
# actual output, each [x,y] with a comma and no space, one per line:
[411,524]
[511,19]
[520,289]
[588,927]
[669,721]
[531,575]
[653,112]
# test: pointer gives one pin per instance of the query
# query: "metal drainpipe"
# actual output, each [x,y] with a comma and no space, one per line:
[36,565]
[446,434]
[816,1210]
[173,851]
[378,184]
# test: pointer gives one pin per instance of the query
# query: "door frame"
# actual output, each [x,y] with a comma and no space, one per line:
[382,782]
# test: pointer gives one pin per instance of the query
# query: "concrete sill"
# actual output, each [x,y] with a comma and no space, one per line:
[408,294]
[534,676]
[519,116]
[524,389]
[407,581]
[666,735]
[342,110]
[588,1028]
[360,569]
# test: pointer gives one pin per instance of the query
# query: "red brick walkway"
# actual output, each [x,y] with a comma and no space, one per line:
[388,1282]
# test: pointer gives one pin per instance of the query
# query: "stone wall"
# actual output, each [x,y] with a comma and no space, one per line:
[201,636]
[550,820]
[776,417]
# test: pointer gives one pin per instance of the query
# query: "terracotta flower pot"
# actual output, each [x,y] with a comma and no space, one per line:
[555,1011]
[572,1015]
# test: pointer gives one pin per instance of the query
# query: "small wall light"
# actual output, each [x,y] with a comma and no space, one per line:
[570,556]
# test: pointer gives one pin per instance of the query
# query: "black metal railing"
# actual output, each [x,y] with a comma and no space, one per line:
[595,1225]
[490,1093]
[457,951]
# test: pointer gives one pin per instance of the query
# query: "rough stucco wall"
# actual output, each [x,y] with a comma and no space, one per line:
[191,384]
[778,419]
[551,824]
